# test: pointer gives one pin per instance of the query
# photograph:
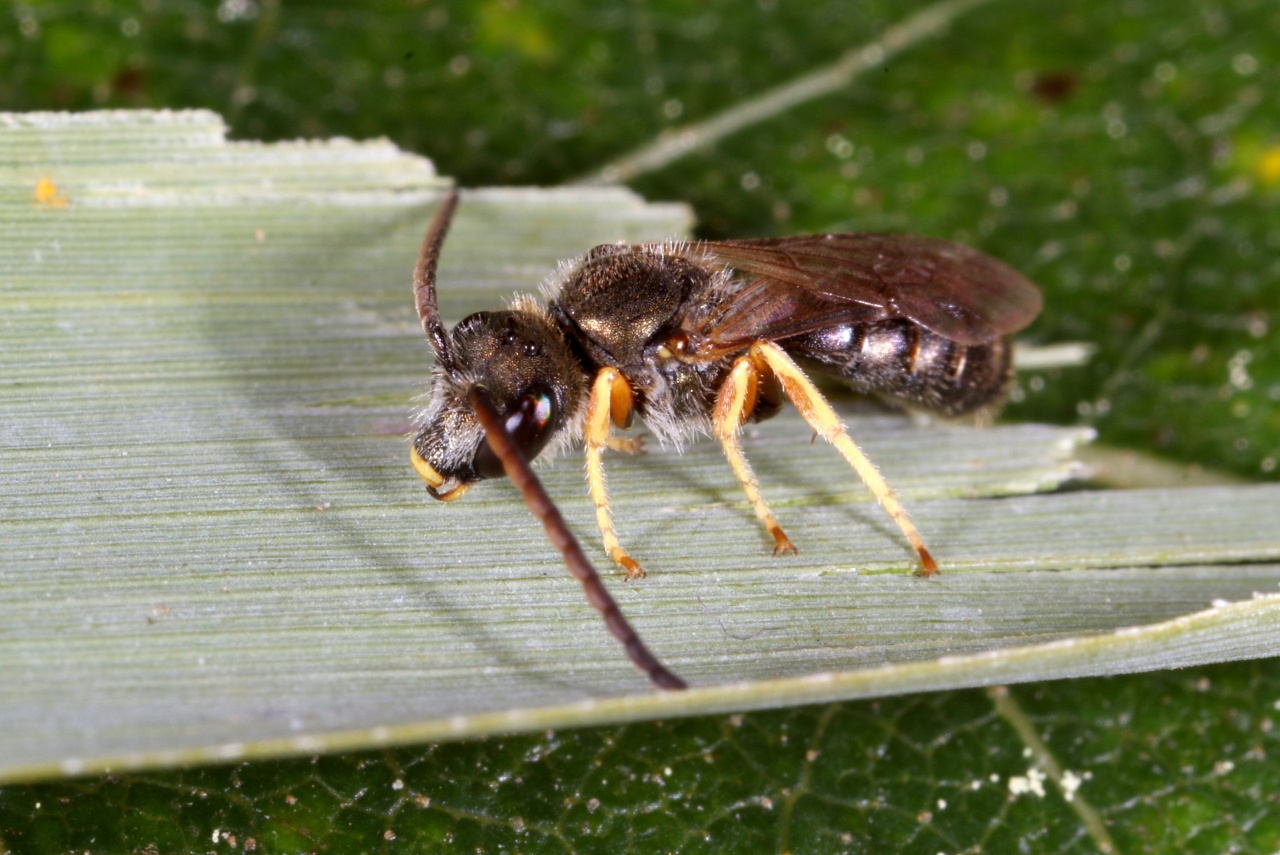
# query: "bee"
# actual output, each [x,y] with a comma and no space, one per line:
[702,338]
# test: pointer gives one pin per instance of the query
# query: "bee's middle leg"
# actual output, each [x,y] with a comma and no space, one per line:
[746,386]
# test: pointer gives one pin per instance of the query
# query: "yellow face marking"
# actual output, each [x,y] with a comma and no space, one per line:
[425,470]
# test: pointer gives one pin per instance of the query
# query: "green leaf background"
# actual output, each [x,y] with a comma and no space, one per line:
[1125,155]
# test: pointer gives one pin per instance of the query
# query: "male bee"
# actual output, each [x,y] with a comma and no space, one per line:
[702,338]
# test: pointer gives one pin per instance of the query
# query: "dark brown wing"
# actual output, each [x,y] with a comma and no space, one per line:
[797,285]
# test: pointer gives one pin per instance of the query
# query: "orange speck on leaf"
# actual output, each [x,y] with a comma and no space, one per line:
[48,194]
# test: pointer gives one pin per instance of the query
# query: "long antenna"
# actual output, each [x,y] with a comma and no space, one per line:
[424,279]
[540,504]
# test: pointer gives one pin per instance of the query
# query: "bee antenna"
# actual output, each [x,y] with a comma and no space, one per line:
[540,504]
[424,279]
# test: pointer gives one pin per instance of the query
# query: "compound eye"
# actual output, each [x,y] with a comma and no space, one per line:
[530,421]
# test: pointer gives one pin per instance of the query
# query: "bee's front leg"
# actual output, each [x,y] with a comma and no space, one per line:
[611,401]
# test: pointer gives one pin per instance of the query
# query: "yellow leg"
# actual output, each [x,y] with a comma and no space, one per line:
[607,394]
[734,403]
[818,413]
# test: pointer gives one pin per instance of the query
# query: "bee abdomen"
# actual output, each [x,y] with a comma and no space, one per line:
[903,361]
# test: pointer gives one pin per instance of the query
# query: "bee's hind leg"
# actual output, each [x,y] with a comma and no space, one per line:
[818,413]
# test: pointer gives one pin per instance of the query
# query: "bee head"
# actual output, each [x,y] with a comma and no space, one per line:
[523,362]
